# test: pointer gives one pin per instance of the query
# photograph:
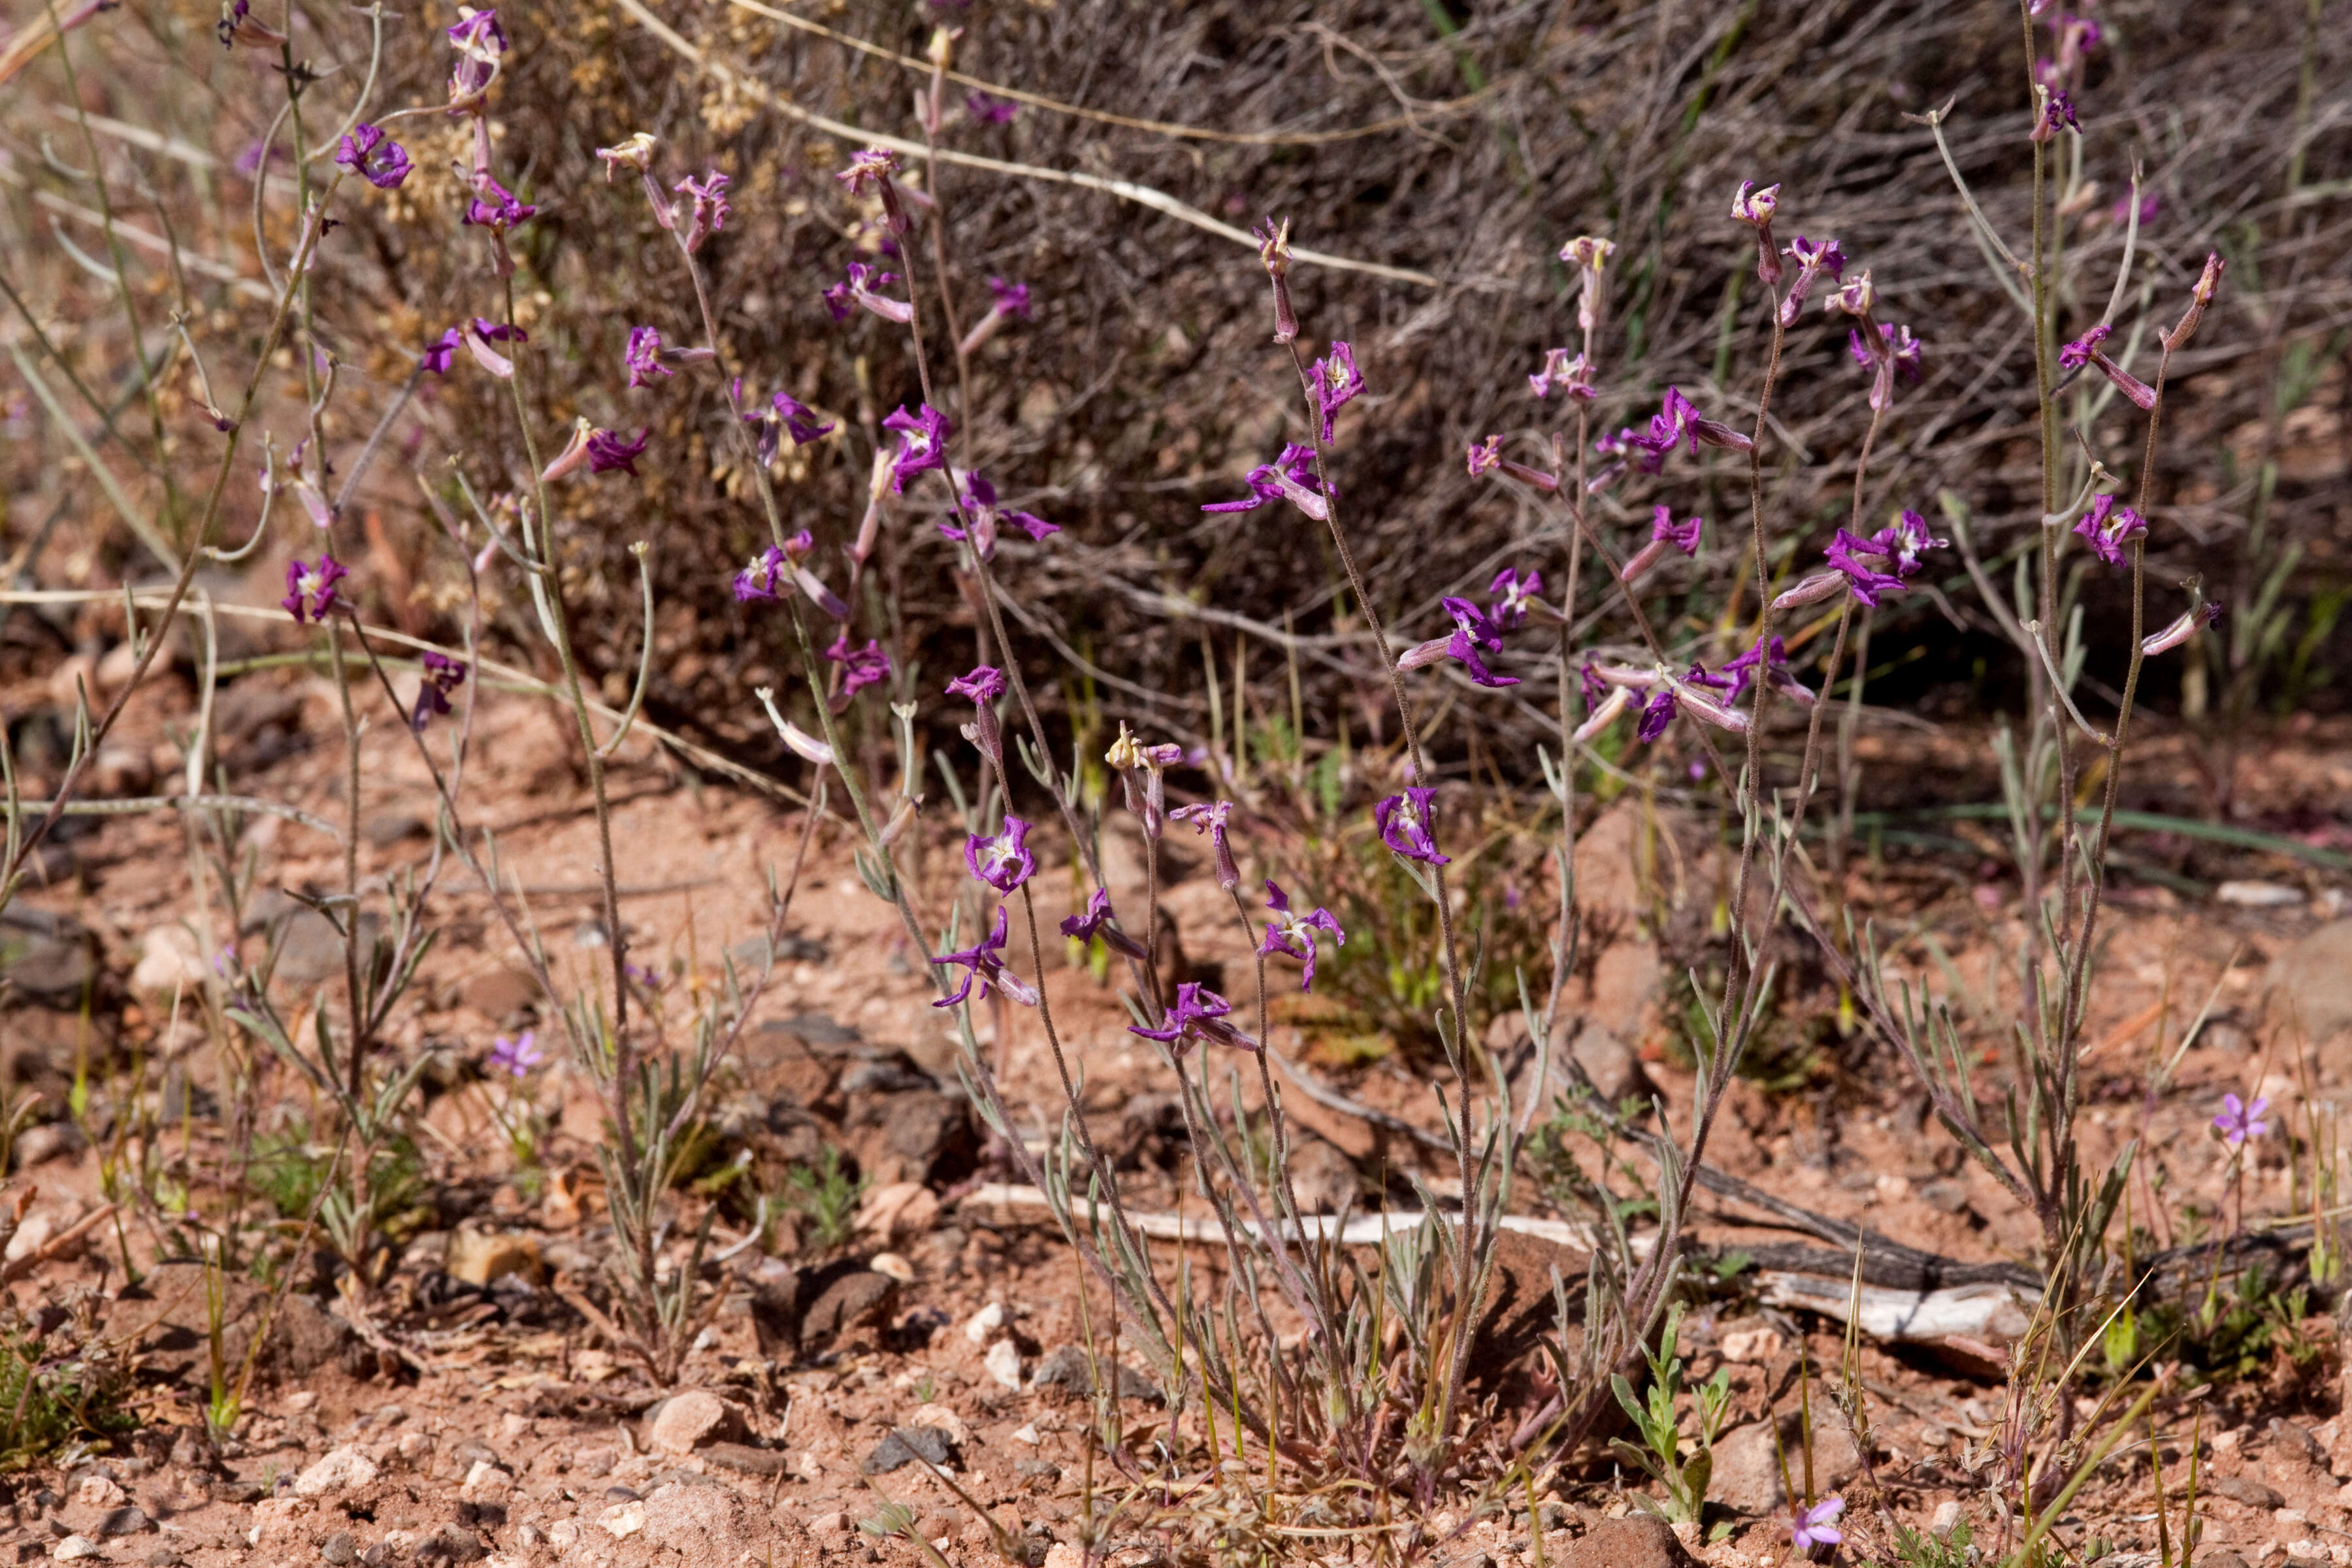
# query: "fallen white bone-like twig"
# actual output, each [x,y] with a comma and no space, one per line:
[1991,1312]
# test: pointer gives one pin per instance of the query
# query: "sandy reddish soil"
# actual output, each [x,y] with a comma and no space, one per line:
[496,1421]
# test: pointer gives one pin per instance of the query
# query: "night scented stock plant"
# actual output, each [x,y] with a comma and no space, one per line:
[1366,1409]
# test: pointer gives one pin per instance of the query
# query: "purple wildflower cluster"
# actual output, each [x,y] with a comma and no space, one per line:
[1291,477]
[1866,568]
[1477,631]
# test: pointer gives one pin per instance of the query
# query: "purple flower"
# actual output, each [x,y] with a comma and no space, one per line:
[517,1055]
[608,450]
[443,675]
[1209,817]
[1679,422]
[799,419]
[1696,693]
[1903,544]
[1010,298]
[1665,534]
[480,41]
[868,166]
[983,687]
[478,32]
[2149,205]
[1855,565]
[711,210]
[1572,376]
[1851,557]
[922,444]
[2240,1121]
[1513,593]
[1813,260]
[1098,922]
[440,351]
[495,208]
[1656,717]
[979,497]
[987,110]
[1336,382]
[2086,350]
[2058,111]
[983,962]
[1884,351]
[1774,661]
[1289,932]
[1290,477]
[785,415]
[1817,1525]
[374,156]
[644,356]
[1003,862]
[1408,825]
[1474,630]
[1199,1014]
[768,578]
[860,668]
[859,288]
[2106,526]
[311,590]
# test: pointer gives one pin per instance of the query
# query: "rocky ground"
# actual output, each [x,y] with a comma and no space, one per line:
[470,1410]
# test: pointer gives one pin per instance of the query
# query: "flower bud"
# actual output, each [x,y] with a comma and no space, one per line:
[1274,249]
[2207,283]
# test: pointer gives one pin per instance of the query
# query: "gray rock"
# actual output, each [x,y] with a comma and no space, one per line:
[129,1520]
[1069,1368]
[1044,1469]
[1610,1063]
[904,1445]
[2291,1442]
[2244,1489]
[685,1422]
[340,1548]
[1747,1469]
[915,1135]
[860,1300]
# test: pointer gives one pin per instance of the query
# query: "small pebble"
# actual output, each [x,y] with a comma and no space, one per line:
[340,1548]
